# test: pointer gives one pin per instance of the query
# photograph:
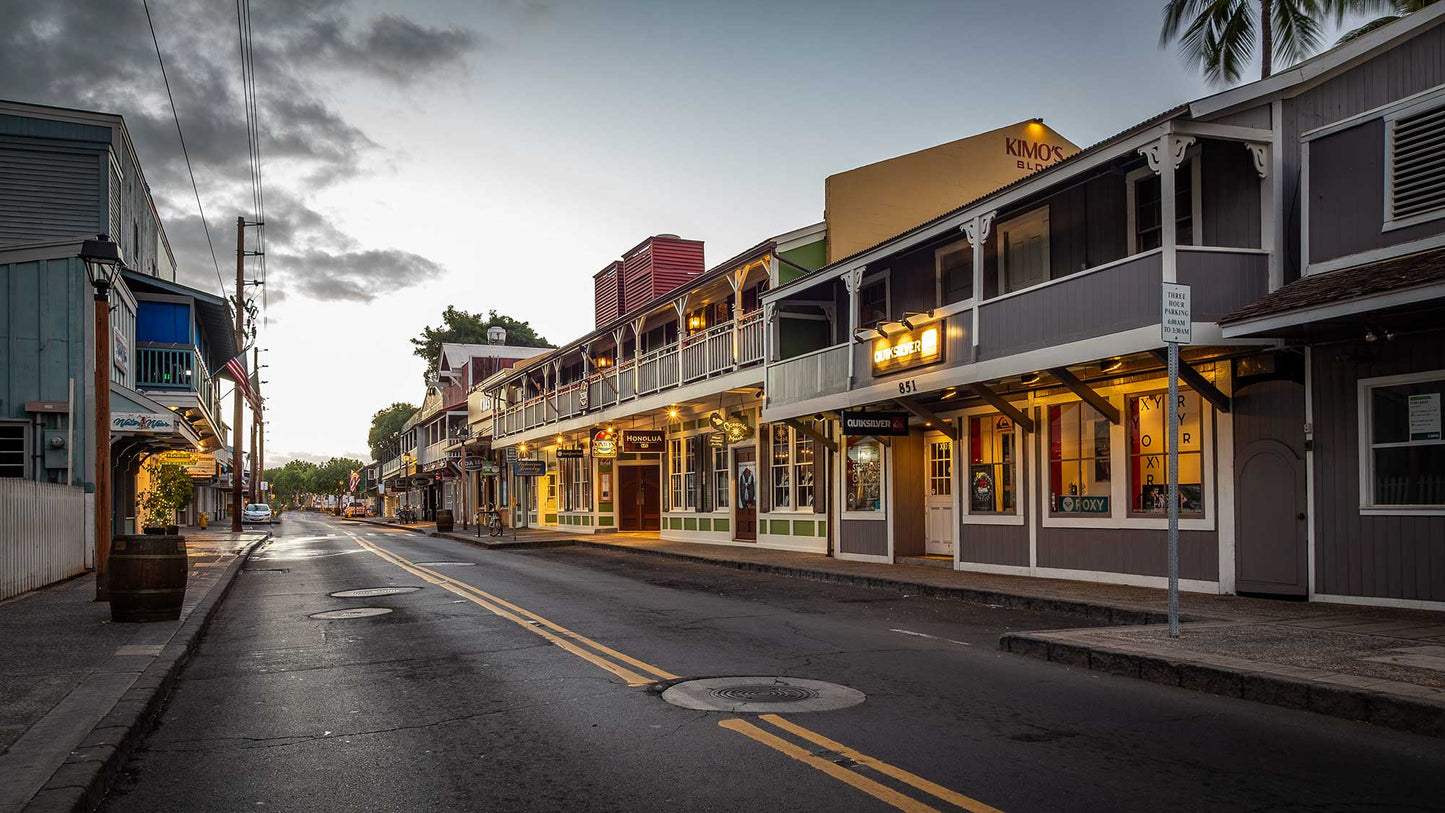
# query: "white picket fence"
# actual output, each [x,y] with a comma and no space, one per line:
[42,534]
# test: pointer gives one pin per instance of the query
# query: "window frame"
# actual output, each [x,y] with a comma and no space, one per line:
[965,464]
[885,462]
[1364,417]
[674,473]
[721,484]
[886,277]
[1206,455]
[1040,213]
[940,293]
[1046,461]
[786,467]
[1388,221]
[1192,157]
[27,449]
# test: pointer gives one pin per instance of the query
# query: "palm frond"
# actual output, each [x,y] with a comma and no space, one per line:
[1355,34]
[1215,36]
[1297,32]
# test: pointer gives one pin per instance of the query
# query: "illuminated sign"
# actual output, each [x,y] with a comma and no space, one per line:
[877,424]
[903,351]
[604,443]
[643,440]
[179,458]
[148,422]
[570,453]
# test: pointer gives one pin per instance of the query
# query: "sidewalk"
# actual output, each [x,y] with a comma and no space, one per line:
[1380,665]
[77,691]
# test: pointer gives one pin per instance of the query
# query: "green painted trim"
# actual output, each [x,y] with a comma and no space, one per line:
[704,524]
[550,519]
[587,520]
[802,527]
[675,523]
[605,522]
[822,528]
[605,507]
[689,523]
[721,524]
[778,527]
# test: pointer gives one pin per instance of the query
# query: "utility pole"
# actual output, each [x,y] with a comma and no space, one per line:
[255,419]
[237,466]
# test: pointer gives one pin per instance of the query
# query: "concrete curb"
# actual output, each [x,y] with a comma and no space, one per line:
[1289,687]
[501,543]
[398,526]
[87,775]
[1109,613]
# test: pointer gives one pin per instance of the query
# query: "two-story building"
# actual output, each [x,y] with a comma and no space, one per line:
[993,379]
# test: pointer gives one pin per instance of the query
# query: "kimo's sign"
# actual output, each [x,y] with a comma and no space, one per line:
[904,351]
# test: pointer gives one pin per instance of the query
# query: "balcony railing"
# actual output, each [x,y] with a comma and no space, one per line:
[719,350]
[176,368]
[821,372]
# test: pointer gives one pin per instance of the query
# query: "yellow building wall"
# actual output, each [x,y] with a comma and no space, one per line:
[872,203]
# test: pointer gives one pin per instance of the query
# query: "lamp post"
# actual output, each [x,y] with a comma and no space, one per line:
[102,263]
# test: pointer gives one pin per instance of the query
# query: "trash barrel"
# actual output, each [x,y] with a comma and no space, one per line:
[445,523]
[147,580]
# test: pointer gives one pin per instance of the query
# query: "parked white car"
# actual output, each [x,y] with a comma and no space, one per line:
[258,512]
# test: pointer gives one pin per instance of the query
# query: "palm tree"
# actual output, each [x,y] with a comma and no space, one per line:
[1219,36]
[1389,11]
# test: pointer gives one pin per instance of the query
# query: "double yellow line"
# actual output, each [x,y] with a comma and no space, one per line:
[640,673]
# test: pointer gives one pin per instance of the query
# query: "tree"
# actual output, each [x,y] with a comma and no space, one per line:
[461,327]
[290,481]
[1219,36]
[332,477]
[385,426]
[1389,11]
[170,489]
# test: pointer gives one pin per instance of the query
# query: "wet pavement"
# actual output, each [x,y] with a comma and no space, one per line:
[532,680]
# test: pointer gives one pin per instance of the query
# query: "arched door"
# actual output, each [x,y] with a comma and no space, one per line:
[1271,543]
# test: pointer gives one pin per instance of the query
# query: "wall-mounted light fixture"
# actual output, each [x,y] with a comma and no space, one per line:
[1029,378]
[912,319]
[694,322]
[868,334]
[1110,365]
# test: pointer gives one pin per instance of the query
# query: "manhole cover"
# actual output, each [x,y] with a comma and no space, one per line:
[761,694]
[372,592]
[446,564]
[354,612]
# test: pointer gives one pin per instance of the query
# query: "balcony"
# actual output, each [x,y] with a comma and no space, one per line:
[165,368]
[717,351]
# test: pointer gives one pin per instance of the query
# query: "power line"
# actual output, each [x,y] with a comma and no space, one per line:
[245,42]
[177,117]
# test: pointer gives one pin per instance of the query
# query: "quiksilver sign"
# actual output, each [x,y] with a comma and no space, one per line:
[875,423]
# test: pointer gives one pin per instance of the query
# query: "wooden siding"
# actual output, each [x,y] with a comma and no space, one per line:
[1394,557]
[659,265]
[1114,299]
[607,294]
[1137,552]
[1222,281]
[49,194]
[994,545]
[1347,195]
[1253,117]
[867,537]
[1229,197]
[905,507]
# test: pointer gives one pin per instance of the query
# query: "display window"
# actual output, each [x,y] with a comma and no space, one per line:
[781,469]
[720,477]
[1404,451]
[1080,467]
[863,478]
[689,473]
[1149,449]
[992,465]
[803,470]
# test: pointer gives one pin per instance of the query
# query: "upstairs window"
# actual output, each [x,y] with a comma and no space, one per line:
[1415,167]
[1023,250]
[873,300]
[955,272]
[13,450]
[1146,212]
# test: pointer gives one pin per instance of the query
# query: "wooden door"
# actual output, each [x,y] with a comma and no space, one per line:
[746,513]
[650,489]
[1271,547]
[629,499]
[938,495]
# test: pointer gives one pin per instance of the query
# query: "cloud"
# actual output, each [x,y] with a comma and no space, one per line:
[97,54]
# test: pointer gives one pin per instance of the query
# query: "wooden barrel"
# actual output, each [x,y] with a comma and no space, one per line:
[445,522]
[147,579]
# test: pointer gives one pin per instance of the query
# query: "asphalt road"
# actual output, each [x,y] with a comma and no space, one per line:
[503,684]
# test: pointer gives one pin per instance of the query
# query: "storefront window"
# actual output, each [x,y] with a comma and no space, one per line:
[1148,454]
[576,484]
[720,477]
[1407,451]
[674,473]
[1079,464]
[782,484]
[689,469]
[803,470]
[992,465]
[864,476]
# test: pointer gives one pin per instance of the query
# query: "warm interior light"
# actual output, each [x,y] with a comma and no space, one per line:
[1029,378]
[1110,365]
[694,322]
[672,413]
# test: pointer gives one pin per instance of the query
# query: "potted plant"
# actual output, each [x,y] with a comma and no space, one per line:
[170,490]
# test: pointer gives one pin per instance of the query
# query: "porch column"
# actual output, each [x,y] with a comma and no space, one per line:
[1260,156]
[1164,158]
[852,280]
[976,232]
[736,279]
[680,305]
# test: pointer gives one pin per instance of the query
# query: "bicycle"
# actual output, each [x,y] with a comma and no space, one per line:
[493,519]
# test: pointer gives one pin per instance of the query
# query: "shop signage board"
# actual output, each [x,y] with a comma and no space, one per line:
[150,423]
[879,424]
[1424,417]
[474,464]
[1071,504]
[529,468]
[643,440]
[511,453]
[570,453]
[717,440]
[904,351]
[177,457]
[489,468]
[604,443]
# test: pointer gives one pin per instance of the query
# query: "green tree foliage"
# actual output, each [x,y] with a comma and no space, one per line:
[1386,11]
[385,425]
[332,477]
[171,489]
[462,327]
[290,481]
[1220,37]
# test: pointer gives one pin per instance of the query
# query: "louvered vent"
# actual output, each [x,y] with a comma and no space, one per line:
[1417,177]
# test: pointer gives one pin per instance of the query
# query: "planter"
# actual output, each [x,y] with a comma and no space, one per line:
[173,529]
[147,580]
[153,530]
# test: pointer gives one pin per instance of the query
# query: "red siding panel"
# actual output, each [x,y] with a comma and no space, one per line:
[658,265]
[607,285]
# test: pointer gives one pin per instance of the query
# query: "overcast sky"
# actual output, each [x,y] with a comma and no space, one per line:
[497,154]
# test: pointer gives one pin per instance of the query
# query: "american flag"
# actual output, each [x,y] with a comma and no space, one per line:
[355,478]
[236,367]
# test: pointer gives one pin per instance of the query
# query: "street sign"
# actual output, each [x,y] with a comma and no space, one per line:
[529,468]
[1175,316]
[511,454]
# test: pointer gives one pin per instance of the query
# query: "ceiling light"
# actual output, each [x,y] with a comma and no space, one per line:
[1110,365]
[949,393]
[1029,378]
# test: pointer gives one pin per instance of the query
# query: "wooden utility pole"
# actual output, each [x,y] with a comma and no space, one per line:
[237,465]
[255,491]
[102,438]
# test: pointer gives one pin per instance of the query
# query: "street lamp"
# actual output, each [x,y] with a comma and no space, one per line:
[103,262]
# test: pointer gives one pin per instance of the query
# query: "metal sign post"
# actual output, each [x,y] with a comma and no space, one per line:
[1175,321]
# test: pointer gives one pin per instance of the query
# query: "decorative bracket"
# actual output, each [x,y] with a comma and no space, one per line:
[770,313]
[976,231]
[1259,154]
[1178,145]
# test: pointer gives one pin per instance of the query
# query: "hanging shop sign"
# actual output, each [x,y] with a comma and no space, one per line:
[604,443]
[717,440]
[570,453]
[734,426]
[511,453]
[474,464]
[177,457]
[904,351]
[151,423]
[489,468]
[880,424]
[529,468]
[643,440]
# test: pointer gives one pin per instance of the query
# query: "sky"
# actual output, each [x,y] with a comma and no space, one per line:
[495,154]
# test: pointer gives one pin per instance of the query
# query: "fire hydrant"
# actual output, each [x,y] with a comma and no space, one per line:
[205,520]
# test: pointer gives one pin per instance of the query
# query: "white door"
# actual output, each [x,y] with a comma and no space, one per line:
[938,479]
